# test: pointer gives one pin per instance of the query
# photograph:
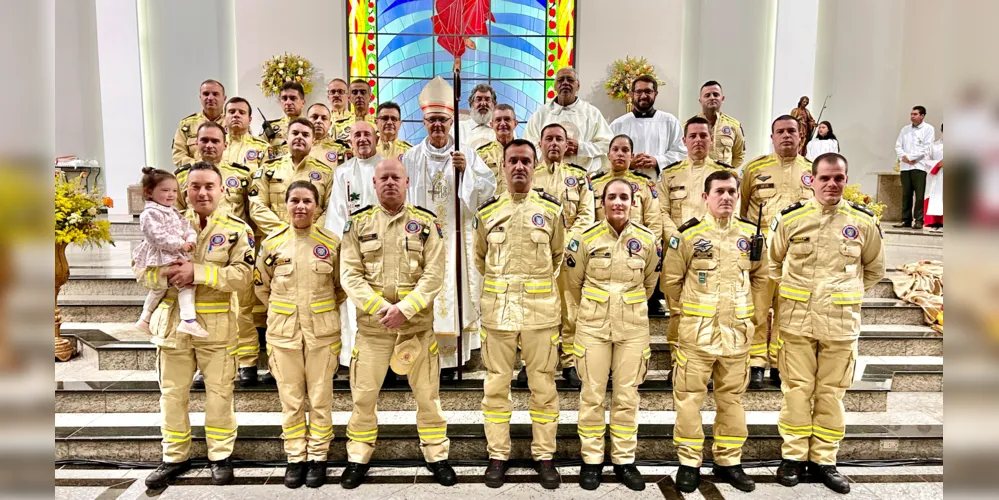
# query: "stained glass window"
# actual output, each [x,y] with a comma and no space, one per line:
[517,47]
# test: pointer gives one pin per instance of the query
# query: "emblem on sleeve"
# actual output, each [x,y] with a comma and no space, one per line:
[570,181]
[773,225]
[315,176]
[321,251]
[538,220]
[573,245]
[806,179]
[331,156]
[217,239]
[232,182]
[251,155]
[634,186]
[346,227]
[412,227]
[440,232]
[674,242]
[569,261]
[634,245]
[727,130]
[851,232]
[743,245]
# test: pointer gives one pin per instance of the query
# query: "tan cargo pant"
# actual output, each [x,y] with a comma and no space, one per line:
[539,349]
[368,365]
[175,369]
[569,309]
[815,375]
[763,351]
[305,374]
[690,386]
[629,361]
[248,343]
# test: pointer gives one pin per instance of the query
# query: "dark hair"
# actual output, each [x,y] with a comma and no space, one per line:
[210,124]
[631,143]
[694,121]
[216,82]
[482,87]
[719,175]
[830,135]
[616,180]
[319,104]
[828,157]
[710,83]
[520,142]
[361,80]
[782,118]
[506,107]
[389,105]
[204,165]
[302,121]
[802,100]
[240,99]
[646,79]
[297,87]
[152,177]
[921,109]
[551,125]
[302,185]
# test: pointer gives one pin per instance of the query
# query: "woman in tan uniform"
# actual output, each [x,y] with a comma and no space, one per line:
[297,275]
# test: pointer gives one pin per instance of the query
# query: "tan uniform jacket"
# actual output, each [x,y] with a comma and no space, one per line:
[519,242]
[298,276]
[341,128]
[393,149]
[329,151]
[776,183]
[646,210]
[822,261]
[235,186]
[681,185]
[567,183]
[393,259]
[245,150]
[611,276]
[223,262]
[492,156]
[185,141]
[708,271]
[270,183]
[280,129]
[729,141]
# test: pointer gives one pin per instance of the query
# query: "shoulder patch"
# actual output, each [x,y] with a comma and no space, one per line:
[792,208]
[689,224]
[361,210]
[488,202]
[862,208]
[426,212]
[188,117]
[549,197]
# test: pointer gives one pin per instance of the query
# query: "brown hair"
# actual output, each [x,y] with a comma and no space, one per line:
[616,180]
[152,177]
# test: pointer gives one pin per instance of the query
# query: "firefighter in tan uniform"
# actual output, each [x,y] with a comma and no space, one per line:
[185,141]
[567,183]
[393,269]
[241,146]
[646,211]
[389,144]
[681,185]
[267,207]
[360,102]
[298,276]
[611,269]
[504,124]
[825,253]
[773,182]
[325,149]
[729,141]
[710,271]
[221,265]
[519,241]
[275,132]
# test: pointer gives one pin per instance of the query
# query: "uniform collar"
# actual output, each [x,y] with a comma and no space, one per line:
[647,114]
[612,231]
[402,209]
[550,168]
[518,197]
[722,224]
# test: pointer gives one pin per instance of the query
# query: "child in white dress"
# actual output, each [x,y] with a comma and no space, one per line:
[169,238]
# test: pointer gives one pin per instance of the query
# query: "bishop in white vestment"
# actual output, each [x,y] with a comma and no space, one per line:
[431,171]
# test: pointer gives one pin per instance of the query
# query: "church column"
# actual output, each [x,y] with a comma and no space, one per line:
[794,57]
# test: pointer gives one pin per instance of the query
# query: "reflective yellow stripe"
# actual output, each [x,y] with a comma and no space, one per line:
[623,432]
[282,308]
[373,304]
[498,417]
[591,427]
[211,276]
[353,353]
[680,358]
[847,298]
[591,237]
[754,167]
[829,434]
[273,243]
[758,349]
[322,239]
[794,294]
[591,430]
[176,437]
[231,349]
[482,335]
[538,286]
[798,214]
[542,417]
[692,309]
[433,348]
[634,297]
[259,308]
[165,304]
[693,443]
[730,441]
[294,431]
[432,432]
[700,229]
[486,212]
[554,338]
[639,235]
[324,306]
[415,299]
[248,349]
[211,307]
[647,353]
[595,294]
[217,433]
[743,312]
[802,430]
[336,347]
[364,436]
[577,349]
[320,432]
[494,286]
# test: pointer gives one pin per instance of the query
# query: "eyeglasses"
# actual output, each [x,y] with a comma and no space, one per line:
[437,120]
[644,92]
[336,92]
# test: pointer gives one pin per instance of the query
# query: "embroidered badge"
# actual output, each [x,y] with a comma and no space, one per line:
[315,176]
[256,278]
[674,242]
[570,181]
[850,232]
[634,186]
[569,261]
[538,220]
[251,155]
[346,227]
[217,239]
[321,251]
[232,182]
[440,232]
[634,245]
[727,130]
[806,179]
[743,245]
[652,189]
[702,245]
[773,225]
[331,156]
[702,277]
[573,245]
[763,177]
[412,227]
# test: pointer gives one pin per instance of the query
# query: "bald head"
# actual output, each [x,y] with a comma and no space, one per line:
[363,139]
[391,183]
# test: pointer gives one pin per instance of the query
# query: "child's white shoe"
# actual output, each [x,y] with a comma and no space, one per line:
[143,326]
[192,328]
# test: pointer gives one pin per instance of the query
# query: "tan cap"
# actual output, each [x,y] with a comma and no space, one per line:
[405,354]
[437,97]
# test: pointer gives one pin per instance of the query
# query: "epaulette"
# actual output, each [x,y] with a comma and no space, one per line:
[598,175]
[318,164]
[258,141]
[747,225]
[689,224]
[237,219]
[188,117]
[272,160]
[671,165]
[573,166]
[361,210]
[640,174]
[862,208]
[284,228]
[758,162]
[486,146]
[342,143]
[792,208]
[239,166]
[549,197]
[426,212]
[180,170]
[488,202]
[726,165]
[643,229]
[323,235]
[590,229]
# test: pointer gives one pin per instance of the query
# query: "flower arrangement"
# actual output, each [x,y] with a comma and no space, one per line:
[286,68]
[623,72]
[853,194]
[76,215]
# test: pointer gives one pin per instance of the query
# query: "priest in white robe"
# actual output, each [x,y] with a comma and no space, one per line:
[353,189]
[589,133]
[658,135]
[431,168]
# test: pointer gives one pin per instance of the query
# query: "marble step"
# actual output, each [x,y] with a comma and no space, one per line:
[910,237]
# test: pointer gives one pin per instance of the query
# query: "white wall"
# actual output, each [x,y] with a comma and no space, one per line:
[77,83]
[794,57]
[611,30]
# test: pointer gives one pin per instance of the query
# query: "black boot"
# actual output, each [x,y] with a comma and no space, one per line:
[496,473]
[550,478]
[571,377]
[316,475]
[589,476]
[756,377]
[735,476]
[790,472]
[656,309]
[248,376]
[294,475]
[353,475]
[391,379]
[521,379]
[268,378]
[221,471]
[830,477]
[448,374]
[443,473]
[199,380]
[688,478]
[166,473]
[629,476]
[775,376]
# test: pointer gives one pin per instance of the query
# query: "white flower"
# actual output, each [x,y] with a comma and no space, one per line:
[92,211]
[300,71]
[281,65]
[73,219]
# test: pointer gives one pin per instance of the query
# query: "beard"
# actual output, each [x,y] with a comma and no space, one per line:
[482,119]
